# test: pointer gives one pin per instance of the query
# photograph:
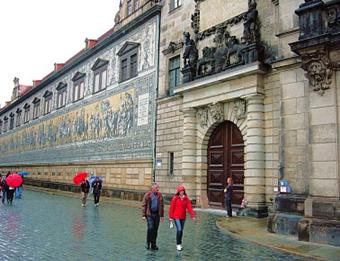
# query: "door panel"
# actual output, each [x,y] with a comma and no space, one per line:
[225,159]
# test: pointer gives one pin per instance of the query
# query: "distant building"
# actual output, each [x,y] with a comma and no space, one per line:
[95,112]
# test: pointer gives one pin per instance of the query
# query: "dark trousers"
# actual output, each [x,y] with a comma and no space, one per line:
[228,206]
[4,196]
[153,224]
[10,195]
[179,227]
[96,197]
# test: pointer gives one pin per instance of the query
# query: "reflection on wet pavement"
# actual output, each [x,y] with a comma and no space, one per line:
[50,227]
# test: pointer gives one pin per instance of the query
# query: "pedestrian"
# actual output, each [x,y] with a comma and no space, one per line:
[5,188]
[0,185]
[97,187]
[228,193]
[180,203]
[10,195]
[152,212]
[85,187]
[19,190]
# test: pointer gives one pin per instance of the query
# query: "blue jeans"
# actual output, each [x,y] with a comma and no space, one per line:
[179,227]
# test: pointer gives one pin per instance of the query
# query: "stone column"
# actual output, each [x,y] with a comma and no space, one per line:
[189,153]
[254,182]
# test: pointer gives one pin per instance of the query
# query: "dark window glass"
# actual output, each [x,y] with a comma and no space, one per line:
[129,65]
[11,122]
[171,164]
[133,65]
[174,73]
[36,110]
[27,114]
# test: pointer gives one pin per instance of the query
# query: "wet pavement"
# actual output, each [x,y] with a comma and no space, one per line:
[55,227]
[255,230]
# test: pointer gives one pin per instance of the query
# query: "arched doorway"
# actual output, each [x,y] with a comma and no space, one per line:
[225,159]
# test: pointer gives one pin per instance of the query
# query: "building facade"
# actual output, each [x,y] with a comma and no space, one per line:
[248,90]
[95,113]
[193,92]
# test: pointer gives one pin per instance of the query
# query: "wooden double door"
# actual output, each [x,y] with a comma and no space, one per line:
[225,159]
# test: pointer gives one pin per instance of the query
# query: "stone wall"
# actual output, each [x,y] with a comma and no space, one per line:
[169,138]
[124,175]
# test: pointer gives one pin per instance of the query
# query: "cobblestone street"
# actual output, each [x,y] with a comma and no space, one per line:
[54,227]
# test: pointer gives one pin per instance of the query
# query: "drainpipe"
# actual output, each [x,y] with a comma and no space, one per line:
[281,143]
[156,107]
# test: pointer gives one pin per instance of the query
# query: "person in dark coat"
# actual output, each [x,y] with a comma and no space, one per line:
[152,212]
[85,188]
[97,187]
[5,188]
[228,193]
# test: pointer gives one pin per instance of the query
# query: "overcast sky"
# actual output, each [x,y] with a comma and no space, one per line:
[35,34]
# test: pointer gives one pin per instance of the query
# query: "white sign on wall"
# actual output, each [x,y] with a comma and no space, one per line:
[143,109]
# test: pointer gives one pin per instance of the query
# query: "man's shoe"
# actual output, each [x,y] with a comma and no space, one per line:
[179,247]
[154,247]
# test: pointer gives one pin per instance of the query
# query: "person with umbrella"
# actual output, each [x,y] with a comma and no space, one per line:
[97,186]
[85,188]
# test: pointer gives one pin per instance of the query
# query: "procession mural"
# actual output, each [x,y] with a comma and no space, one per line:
[109,118]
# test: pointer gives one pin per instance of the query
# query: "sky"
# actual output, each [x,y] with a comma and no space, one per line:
[35,34]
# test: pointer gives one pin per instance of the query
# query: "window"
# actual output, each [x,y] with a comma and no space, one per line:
[100,75]
[36,108]
[11,121]
[5,123]
[61,94]
[171,164]
[47,102]
[175,4]
[78,86]
[18,121]
[130,7]
[1,122]
[174,73]
[128,61]
[27,113]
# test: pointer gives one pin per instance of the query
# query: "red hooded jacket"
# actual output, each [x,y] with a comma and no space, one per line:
[179,206]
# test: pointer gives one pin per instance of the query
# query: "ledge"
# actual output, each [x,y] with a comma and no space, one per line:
[239,72]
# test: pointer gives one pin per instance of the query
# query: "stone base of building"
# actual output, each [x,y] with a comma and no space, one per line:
[311,219]
[260,212]
[107,192]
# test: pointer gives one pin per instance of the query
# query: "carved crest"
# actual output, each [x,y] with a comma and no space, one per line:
[240,109]
[216,112]
[202,116]
[318,70]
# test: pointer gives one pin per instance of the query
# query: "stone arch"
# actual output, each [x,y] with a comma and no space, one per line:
[233,111]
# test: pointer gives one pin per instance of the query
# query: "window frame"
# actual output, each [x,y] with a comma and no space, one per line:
[177,72]
[99,67]
[47,102]
[11,121]
[27,110]
[1,124]
[131,65]
[171,161]
[18,118]
[78,80]
[5,124]
[36,108]
[61,95]
[174,4]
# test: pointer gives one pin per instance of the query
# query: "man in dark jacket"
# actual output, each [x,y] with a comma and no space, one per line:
[152,212]
[85,187]
[5,188]
[97,187]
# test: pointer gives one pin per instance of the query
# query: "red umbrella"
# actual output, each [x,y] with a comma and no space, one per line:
[79,177]
[14,180]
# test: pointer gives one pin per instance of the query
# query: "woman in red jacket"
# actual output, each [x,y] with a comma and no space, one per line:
[177,212]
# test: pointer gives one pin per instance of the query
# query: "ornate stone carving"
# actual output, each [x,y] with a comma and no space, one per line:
[251,33]
[195,19]
[318,70]
[240,109]
[202,116]
[216,112]
[172,47]
[190,57]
